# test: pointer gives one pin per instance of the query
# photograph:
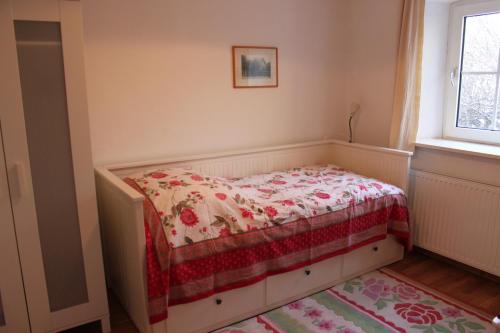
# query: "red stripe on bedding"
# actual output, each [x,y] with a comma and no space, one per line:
[243,257]
[261,277]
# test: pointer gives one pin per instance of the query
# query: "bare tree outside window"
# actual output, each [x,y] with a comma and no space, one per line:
[479,104]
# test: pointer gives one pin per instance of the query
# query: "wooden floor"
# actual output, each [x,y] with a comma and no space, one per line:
[473,289]
[120,322]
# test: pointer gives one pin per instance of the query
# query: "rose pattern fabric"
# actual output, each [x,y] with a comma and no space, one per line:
[324,208]
[313,313]
[376,289]
[346,308]
[408,305]
[418,313]
[194,207]
[296,305]
[451,312]
[406,292]
[310,314]
[188,217]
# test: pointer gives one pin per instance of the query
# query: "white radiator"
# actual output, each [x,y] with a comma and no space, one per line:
[457,218]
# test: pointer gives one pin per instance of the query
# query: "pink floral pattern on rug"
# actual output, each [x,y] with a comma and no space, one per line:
[375,302]
[194,207]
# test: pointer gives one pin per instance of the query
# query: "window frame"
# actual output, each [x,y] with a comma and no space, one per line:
[458,12]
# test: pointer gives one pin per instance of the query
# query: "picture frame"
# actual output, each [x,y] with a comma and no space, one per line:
[255,66]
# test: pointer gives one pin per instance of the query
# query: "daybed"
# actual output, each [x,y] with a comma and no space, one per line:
[193,244]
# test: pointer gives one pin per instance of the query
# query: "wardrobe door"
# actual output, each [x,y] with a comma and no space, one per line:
[17,162]
[48,158]
[13,315]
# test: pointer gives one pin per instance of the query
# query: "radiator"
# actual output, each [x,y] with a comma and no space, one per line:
[457,218]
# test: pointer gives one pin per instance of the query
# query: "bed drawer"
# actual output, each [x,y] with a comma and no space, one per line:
[219,308]
[224,308]
[370,256]
[240,301]
[286,286]
[191,316]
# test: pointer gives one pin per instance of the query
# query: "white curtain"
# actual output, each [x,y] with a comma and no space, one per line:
[408,77]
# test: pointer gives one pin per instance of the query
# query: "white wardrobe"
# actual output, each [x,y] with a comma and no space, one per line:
[51,270]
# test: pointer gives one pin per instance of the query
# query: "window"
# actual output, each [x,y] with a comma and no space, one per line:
[473,98]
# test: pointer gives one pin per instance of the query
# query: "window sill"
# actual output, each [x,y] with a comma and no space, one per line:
[461,147]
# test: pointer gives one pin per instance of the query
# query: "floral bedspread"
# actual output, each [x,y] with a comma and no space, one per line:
[206,235]
[195,208]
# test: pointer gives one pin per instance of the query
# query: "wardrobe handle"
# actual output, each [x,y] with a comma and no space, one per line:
[18,177]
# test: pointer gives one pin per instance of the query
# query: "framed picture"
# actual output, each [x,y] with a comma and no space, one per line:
[255,67]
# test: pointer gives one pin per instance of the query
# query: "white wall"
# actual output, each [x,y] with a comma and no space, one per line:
[373,29]
[159,74]
[432,101]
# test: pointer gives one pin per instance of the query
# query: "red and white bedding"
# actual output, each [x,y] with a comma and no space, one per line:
[209,234]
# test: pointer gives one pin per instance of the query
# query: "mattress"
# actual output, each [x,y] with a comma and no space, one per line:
[210,234]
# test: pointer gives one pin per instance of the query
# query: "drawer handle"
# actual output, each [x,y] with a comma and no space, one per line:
[308,272]
[218,301]
[375,248]
[496,322]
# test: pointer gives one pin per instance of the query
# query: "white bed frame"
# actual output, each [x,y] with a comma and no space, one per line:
[121,218]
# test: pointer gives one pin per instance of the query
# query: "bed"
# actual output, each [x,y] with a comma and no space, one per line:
[222,237]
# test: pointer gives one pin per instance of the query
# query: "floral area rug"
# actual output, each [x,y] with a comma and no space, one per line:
[375,302]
